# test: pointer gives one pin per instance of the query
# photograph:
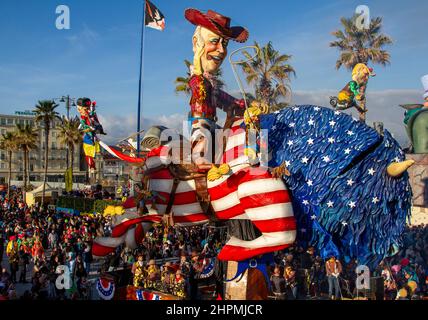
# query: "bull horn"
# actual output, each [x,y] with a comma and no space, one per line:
[396,169]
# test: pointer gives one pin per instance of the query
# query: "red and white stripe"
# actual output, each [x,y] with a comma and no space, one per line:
[116,153]
[186,209]
[251,193]
[246,192]
[128,228]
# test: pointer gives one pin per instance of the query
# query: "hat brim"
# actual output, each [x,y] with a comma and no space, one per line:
[198,18]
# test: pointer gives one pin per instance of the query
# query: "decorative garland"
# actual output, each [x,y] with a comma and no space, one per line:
[105,289]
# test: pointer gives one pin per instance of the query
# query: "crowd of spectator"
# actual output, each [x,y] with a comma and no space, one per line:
[39,242]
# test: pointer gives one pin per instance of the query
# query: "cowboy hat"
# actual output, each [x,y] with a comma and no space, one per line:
[216,23]
[152,262]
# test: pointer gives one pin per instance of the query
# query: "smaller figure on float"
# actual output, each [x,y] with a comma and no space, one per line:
[353,94]
[90,126]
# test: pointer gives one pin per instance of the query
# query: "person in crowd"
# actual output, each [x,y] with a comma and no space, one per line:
[333,269]
[278,284]
[290,282]
[139,272]
[12,252]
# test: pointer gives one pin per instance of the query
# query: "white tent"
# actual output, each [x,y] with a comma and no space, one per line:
[31,196]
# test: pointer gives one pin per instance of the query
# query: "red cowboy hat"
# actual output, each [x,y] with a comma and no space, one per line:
[217,23]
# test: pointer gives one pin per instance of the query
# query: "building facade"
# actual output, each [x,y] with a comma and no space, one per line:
[57,155]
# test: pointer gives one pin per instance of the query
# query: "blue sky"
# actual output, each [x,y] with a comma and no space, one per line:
[99,56]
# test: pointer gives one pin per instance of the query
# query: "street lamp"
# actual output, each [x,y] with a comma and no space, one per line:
[69,102]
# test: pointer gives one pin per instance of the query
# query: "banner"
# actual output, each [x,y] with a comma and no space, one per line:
[69,179]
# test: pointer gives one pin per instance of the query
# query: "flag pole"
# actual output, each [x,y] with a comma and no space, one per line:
[140,83]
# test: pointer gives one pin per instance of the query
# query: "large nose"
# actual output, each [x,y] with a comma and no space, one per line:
[220,47]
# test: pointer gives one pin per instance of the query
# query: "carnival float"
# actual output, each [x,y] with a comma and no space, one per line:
[305,174]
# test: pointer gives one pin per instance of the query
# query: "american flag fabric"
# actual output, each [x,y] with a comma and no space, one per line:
[247,192]
[344,201]
[147,295]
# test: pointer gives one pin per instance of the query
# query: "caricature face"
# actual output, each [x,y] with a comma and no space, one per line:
[215,49]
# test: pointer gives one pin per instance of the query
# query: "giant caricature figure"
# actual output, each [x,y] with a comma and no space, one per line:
[210,40]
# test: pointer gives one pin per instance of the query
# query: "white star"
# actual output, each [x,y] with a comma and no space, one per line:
[274,127]
[326,159]
[337,113]
[372,171]
[330,204]
[351,204]
[304,160]
[287,163]
[332,123]
[310,183]
[350,182]
[344,223]
[311,122]
[396,159]
[317,109]
[349,133]
[295,109]
[347,151]
[375,200]
[354,119]
[331,140]
[313,217]
[290,142]
[292,125]
[305,202]
[310,141]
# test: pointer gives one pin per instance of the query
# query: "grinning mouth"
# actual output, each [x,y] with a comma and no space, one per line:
[217,59]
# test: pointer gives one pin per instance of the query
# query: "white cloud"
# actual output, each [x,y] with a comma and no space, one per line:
[120,127]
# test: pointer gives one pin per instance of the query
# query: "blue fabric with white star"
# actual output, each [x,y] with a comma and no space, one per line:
[344,201]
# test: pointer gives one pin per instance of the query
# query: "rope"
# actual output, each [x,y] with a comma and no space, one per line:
[235,74]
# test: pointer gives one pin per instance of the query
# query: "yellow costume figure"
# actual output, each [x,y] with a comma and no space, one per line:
[179,288]
[139,274]
[152,275]
[167,277]
[12,251]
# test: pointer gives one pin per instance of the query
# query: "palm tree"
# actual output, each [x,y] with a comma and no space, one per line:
[358,45]
[270,74]
[27,137]
[46,115]
[182,83]
[70,135]
[9,143]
